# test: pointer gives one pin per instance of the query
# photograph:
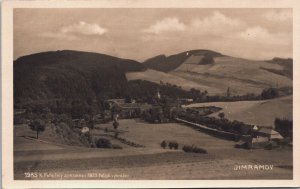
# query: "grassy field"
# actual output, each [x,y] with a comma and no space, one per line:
[150,162]
[157,76]
[241,75]
[255,112]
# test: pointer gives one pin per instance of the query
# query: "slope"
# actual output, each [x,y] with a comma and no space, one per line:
[157,77]
[255,112]
[70,75]
[240,75]
[168,63]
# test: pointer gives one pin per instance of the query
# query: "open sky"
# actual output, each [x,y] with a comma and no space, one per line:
[143,33]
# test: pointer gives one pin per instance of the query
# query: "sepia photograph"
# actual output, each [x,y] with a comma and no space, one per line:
[152,93]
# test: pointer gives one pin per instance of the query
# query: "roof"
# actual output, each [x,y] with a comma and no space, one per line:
[269,131]
[129,105]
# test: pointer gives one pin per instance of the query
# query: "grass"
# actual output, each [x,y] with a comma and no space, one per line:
[157,76]
[255,112]
[151,162]
[241,75]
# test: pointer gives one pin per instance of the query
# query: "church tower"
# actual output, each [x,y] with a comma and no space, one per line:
[158,94]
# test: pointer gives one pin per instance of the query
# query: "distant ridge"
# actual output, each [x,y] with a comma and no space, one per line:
[167,64]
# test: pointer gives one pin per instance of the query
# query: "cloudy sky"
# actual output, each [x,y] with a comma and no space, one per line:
[143,33]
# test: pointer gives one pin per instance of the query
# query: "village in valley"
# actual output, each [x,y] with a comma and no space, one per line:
[152,94]
[158,126]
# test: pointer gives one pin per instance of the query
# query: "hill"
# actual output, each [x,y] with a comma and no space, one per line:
[70,75]
[216,73]
[241,76]
[287,65]
[158,77]
[167,64]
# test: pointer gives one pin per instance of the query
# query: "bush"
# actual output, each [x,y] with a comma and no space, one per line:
[115,146]
[244,146]
[207,59]
[284,127]
[271,145]
[37,125]
[269,93]
[103,143]
[175,145]
[116,124]
[163,144]
[194,149]
[88,138]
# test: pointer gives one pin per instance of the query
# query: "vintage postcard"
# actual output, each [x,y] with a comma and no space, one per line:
[150,94]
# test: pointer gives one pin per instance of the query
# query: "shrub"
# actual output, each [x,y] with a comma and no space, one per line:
[284,127]
[175,145]
[163,144]
[207,59]
[194,149]
[269,93]
[115,146]
[116,124]
[221,115]
[244,146]
[37,125]
[103,143]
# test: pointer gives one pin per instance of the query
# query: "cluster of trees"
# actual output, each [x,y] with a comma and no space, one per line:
[145,91]
[222,124]
[193,149]
[106,143]
[159,114]
[270,93]
[246,97]
[287,65]
[207,59]
[103,143]
[64,129]
[203,111]
[284,127]
[171,144]
[71,75]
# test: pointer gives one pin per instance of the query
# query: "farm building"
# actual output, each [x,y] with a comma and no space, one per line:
[85,130]
[129,110]
[185,100]
[269,133]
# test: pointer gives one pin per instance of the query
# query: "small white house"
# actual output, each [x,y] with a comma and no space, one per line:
[85,130]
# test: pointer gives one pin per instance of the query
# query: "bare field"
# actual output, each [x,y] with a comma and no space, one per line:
[150,162]
[255,112]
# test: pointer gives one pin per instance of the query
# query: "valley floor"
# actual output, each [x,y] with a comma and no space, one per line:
[41,159]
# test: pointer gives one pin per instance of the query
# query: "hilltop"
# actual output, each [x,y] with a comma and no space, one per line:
[70,74]
[217,73]
[167,64]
